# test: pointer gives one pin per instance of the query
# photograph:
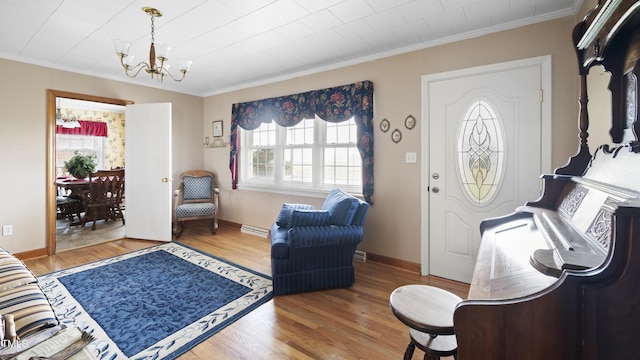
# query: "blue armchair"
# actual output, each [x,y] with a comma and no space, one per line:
[313,249]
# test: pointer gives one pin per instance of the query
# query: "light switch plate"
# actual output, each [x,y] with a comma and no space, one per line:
[410,157]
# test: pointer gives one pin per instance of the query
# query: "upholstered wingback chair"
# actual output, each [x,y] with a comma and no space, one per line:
[196,199]
[313,249]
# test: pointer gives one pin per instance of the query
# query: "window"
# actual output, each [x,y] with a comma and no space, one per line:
[66,145]
[314,155]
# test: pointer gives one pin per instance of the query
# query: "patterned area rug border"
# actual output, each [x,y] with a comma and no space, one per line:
[72,313]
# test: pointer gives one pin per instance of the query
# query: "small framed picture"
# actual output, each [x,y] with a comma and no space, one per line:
[410,122]
[217,128]
[396,136]
[384,125]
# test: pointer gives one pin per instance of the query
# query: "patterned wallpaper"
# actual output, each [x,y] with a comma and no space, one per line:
[114,144]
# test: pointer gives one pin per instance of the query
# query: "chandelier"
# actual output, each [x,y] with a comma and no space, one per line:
[156,66]
[68,120]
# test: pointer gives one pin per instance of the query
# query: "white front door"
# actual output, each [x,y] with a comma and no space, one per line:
[148,171]
[485,155]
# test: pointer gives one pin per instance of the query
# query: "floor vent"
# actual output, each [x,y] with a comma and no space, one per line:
[360,256]
[252,230]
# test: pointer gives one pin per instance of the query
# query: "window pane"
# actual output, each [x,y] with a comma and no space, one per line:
[342,166]
[345,132]
[265,135]
[261,163]
[480,152]
[300,134]
[298,165]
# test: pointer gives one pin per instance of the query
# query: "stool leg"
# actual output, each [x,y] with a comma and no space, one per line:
[408,354]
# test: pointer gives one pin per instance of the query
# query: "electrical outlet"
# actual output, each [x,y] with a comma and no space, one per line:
[410,157]
[7,230]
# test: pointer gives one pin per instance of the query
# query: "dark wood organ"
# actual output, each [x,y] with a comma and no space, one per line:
[560,277]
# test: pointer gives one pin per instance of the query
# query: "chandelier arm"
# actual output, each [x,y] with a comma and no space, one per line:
[184,73]
[142,65]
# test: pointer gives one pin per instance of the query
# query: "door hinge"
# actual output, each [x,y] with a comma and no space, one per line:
[541,95]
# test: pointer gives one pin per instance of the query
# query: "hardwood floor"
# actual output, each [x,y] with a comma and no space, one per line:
[348,323]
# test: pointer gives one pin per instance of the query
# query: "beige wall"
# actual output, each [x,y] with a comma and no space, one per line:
[23,139]
[393,225]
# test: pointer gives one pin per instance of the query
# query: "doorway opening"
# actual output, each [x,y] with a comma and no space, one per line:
[66,233]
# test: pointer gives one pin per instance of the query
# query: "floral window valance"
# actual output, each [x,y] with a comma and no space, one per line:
[88,128]
[335,104]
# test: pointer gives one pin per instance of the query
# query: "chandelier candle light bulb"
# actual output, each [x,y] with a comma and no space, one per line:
[157,56]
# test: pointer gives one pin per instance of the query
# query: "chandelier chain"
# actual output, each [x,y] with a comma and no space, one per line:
[153,28]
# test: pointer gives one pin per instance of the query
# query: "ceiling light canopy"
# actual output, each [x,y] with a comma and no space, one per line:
[156,66]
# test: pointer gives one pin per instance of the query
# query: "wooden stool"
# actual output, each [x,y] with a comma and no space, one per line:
[428,312]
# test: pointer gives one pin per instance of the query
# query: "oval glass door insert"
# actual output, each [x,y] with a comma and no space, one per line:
[480,153]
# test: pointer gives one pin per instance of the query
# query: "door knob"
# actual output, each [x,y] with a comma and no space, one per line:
[164,180]
[435,176]
[435,189]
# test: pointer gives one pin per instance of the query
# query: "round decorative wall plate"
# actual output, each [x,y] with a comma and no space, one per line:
[384,125]
[396,136]
[410,122]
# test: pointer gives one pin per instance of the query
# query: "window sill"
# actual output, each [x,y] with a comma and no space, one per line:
[317,193]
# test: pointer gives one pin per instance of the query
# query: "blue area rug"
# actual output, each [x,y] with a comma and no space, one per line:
[155,303]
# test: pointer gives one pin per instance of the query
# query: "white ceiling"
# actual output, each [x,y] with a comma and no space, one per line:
[240,43]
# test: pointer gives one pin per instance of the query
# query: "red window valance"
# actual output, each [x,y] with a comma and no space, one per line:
[87,128]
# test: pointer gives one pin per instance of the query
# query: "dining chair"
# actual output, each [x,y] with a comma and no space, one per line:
[68,207]
[104,198]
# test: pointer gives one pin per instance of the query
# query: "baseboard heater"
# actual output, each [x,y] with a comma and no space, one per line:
[360,256]
[252,230]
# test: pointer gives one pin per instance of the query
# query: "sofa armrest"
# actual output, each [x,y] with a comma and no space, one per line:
[326,235]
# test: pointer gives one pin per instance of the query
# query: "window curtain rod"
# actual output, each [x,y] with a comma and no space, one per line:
[335,104]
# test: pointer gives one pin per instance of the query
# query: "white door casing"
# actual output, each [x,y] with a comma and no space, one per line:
[514,90]
[148,189]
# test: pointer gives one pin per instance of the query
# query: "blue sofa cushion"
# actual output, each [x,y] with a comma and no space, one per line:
[342,207]
[284,217]
[310,218]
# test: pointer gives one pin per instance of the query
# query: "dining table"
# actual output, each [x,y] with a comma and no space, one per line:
[76,187]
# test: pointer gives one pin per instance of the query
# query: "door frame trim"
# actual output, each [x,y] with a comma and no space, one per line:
[51,155]
[544,63]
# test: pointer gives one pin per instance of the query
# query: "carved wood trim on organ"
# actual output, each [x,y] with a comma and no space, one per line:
[572,201]
[600,229]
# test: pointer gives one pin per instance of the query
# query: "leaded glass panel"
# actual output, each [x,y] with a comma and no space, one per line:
[480,153]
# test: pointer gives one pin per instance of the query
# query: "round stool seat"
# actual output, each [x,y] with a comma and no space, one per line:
[425,308]
[440,345]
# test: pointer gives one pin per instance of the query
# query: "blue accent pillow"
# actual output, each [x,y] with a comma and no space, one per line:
[342,206]
[284,217]
[310,218]
[195,188]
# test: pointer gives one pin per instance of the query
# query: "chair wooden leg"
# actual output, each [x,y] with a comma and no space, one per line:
[179,228]
[408,353]
[212,225]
